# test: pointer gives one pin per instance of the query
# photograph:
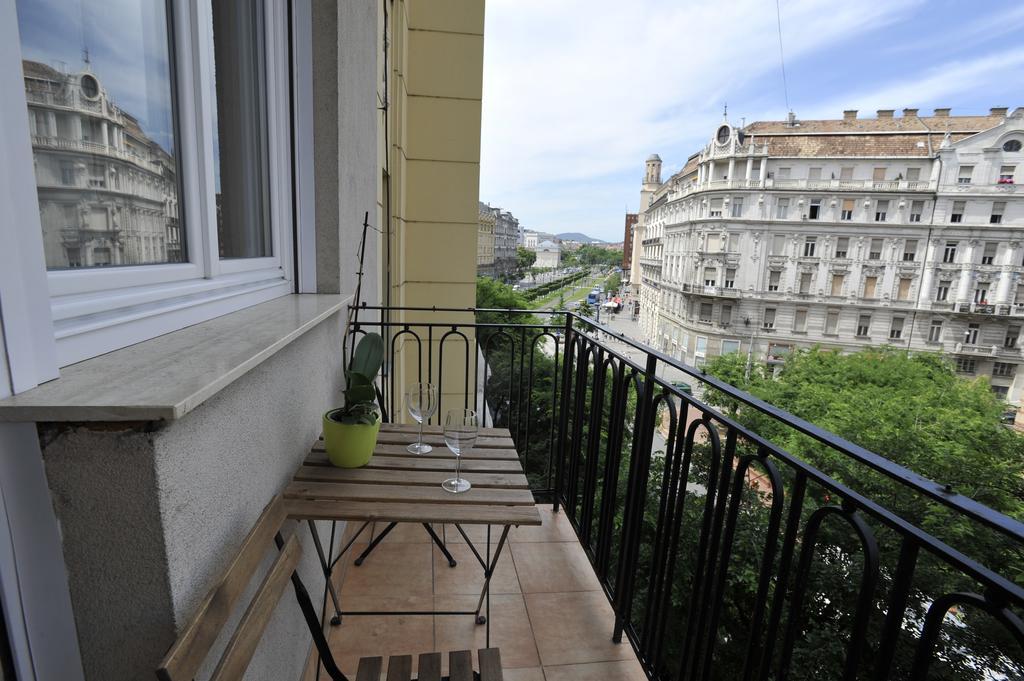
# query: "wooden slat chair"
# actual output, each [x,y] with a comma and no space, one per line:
[193,646]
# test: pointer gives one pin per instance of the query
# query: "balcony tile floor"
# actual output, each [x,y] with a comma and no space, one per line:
[548,613]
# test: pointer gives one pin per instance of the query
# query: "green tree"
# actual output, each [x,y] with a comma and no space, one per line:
[524,260]
[915,411]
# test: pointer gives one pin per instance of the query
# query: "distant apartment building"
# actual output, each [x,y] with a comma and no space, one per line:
[485,242]
[549,255]
[506,237]
[850,233]
[627,242]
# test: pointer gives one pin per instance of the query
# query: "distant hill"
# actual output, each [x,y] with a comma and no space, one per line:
[579,236]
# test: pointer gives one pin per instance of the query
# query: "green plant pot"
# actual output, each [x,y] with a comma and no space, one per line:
[349,445]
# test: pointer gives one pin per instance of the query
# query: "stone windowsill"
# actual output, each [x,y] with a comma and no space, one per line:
[167,377]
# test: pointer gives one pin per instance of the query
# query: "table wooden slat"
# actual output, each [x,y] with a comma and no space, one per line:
[400,668]
[490,665]
[420,463]
[372,476]
[369,669]
[440,452]
[406,493]
[463,514]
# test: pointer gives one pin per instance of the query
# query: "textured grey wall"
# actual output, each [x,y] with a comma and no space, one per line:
[150,517]
[345,117]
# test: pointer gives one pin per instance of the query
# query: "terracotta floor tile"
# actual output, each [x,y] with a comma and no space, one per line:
[550,567]
[477,533]
[510,629]
[391,570]
[574,628]
[556,527]
[525,674]
[404,533]
[468,576]
[625,670]
[365,636]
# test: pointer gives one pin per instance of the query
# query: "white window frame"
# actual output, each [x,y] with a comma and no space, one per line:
[93,311]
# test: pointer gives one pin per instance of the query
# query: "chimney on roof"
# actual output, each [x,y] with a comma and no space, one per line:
[909,113]
[942,113]
[886,113]
[850,115]
[998,111]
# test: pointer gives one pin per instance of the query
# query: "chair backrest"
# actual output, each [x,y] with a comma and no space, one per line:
[193,646]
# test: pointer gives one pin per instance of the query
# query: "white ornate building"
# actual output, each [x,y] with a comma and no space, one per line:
[850,233]
[108,194]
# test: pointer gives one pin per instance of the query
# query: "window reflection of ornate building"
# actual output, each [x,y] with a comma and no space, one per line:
[107,192]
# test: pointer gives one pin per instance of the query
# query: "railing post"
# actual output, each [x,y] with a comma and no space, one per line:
[636,491]
[558,447]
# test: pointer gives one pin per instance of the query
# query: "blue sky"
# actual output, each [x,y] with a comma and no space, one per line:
[577,93]
[127,43]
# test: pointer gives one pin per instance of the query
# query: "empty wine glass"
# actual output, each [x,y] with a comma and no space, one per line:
[421,400]
[460,430]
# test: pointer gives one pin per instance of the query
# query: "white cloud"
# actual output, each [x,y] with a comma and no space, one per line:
[578,90]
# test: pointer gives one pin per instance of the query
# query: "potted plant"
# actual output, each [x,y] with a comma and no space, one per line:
[350,431]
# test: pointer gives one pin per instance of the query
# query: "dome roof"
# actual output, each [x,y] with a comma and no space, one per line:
[654,157]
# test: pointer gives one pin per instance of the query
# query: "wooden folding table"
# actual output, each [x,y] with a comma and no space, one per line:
[397,486]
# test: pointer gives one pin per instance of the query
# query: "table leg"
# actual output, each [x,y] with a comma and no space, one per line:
[327,565]
[485,593]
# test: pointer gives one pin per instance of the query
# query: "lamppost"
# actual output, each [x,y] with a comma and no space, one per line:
[750,348]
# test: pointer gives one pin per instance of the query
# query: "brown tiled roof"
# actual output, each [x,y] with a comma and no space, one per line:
[35,69]
[854,145]
[897,124]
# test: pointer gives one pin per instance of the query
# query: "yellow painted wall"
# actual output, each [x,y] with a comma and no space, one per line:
[435,75]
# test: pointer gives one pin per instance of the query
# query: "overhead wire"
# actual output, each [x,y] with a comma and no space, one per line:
[782,57]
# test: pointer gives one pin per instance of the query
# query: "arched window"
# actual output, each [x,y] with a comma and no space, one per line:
[1012,145]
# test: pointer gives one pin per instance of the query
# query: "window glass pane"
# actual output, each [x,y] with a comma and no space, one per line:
[99,89]
[241,144]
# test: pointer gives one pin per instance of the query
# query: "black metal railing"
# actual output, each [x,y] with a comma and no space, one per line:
[723,555]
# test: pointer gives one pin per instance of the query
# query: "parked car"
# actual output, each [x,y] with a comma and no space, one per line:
[683,387]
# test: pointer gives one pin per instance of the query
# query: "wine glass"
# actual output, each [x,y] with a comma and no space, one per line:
[460,430]
[421,400]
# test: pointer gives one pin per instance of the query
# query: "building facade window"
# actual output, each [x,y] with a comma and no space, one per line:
[1006,173]
[737,206]
[875,249]
[903,289]
[965,365]
[896,328]
[935,331]
[942,291]
[964,174]
[1004,369]
[730,346]
[981,293]
[778,244]
[998,208]
[878,175]
[832,322]
[814,210]
[810,243]
[725,315]
[706,312]
[881,210]
[768,321]
[715,208]
[870,286]
[988,256]
[842,245]
[800,321]
[837,284]
[1010,340]
[710,276]
[909,250]
[949,253]
[957,214]
[730,277]
[916,209]
[781,209]
[774,277]
[863,325]
[846,213]
[971,335]
[805,283]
